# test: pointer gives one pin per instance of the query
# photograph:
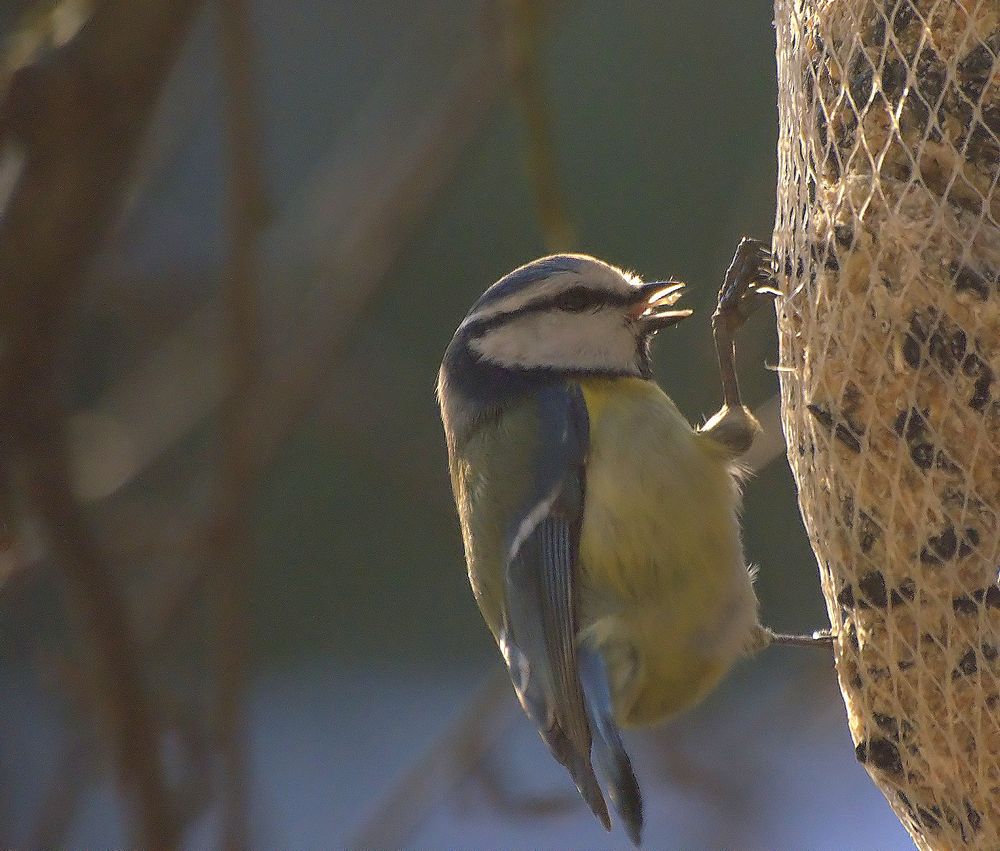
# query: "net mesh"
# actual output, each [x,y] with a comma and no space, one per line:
[888,246]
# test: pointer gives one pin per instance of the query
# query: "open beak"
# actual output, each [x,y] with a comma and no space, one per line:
[652,307]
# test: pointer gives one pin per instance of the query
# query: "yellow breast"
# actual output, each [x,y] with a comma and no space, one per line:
[664,590]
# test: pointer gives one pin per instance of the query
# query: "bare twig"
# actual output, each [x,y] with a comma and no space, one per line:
[77,114]
[233,531]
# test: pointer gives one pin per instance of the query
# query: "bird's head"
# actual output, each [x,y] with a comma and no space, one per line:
[570,314]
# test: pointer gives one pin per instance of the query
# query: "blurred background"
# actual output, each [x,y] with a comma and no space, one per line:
[236,238]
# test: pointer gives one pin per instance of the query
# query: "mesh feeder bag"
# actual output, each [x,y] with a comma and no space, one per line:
[888,247]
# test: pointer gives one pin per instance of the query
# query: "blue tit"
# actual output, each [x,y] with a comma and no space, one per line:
[601,530]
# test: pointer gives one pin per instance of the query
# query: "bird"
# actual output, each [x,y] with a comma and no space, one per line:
[601,529]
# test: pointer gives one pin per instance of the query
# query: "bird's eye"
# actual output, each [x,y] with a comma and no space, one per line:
[574,300]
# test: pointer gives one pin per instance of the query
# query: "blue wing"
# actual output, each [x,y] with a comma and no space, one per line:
[569,702]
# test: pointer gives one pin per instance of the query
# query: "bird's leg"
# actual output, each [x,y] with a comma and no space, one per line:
[819,638]
[764,637]
[747,285]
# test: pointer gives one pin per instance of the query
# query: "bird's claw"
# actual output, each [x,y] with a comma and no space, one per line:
[749,282]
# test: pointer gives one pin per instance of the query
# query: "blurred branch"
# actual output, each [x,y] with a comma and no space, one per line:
[362,207]
[233,533]
[80,759]
[358,261]
[76,113]
[528,78]
[465,742]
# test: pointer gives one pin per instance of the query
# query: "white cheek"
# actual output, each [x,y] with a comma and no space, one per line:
[586,341]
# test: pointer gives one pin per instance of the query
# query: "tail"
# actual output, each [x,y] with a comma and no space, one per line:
[561,720]
[577,763]
[609,754]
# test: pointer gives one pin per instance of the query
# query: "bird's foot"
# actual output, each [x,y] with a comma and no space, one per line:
[749,283]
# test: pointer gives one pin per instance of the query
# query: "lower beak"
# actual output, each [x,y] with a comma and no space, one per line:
[652,310]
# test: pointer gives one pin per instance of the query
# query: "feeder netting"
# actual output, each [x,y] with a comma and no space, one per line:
[888,246]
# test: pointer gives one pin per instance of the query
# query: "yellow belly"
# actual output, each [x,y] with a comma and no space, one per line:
[664,591]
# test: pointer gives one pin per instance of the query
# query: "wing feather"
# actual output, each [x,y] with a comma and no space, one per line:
[538,635]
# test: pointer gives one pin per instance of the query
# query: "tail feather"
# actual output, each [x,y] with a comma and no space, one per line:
[582,772]
[612,761]
[563,724]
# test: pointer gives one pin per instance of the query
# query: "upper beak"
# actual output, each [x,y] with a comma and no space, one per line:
[652,305]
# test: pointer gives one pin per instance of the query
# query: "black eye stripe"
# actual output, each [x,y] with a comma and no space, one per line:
[578,299]
[581,298]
